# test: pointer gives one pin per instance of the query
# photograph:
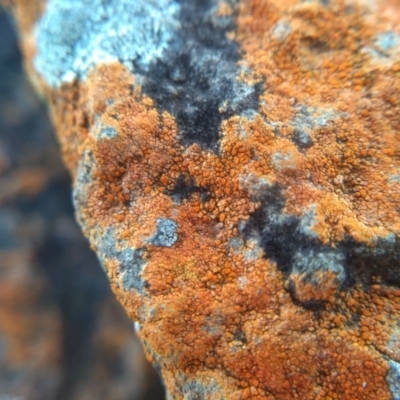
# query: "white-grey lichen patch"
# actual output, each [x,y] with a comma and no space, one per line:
[100,130]
[130,261]
[199,389]
[282,160]
[306,120]
[166,234]
[384,48]
[311,261]
[386,41]
[307,223]
[107,132]
[394,178]
[323,269]
[393,379]
[250,248]
[282,30]
[131,264]
[83,182]
[393,344]
[255,185]
[74,35]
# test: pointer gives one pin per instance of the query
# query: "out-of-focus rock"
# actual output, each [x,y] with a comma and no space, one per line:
[63,335]
[30,331]
[236,168]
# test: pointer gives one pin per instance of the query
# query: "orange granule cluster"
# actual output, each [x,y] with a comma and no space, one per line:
[324,59]
[214,306]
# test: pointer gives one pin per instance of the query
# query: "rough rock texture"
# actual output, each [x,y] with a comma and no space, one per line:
[236,167]
[63,335]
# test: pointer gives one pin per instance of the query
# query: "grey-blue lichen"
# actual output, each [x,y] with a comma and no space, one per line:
[130,261]
[386,41]
[74,35]
[166,234]
[310,261]
[204,389]
[393,379]
[306,120]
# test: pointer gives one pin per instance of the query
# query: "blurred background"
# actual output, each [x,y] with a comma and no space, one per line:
[63,335]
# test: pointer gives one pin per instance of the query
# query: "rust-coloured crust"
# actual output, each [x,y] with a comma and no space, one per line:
[323,64]
[214,307]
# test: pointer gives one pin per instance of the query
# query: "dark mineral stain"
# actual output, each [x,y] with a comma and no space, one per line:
[381,260]
[302,139]
[196,80]
[185,188]
[283,240]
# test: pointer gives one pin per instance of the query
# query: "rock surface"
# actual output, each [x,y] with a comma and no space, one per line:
[236,167]
[63,335]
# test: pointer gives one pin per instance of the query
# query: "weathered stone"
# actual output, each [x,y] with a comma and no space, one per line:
[268,133]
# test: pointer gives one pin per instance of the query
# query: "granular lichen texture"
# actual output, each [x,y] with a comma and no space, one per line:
[236,168]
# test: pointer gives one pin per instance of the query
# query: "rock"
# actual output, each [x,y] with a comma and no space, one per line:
[29,357]
[63,335]
[266,134]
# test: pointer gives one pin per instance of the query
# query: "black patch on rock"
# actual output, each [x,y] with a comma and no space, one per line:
[302,139]
[277,235]
[240,335]
[185,188]
[306,120]
[283,238]
[316,306]
[196,81]
[382,260]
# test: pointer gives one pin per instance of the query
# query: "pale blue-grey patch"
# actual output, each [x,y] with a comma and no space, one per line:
[74,35]
[393,379]
[390,238]
[311,261]
[130,261]
[107,132]
[307,223]
[282,160]
[393,343]
[282,30]
[394,178]
[81,190]
[306,120]
[166,234]
[387,40]
[199,389]
[384,46]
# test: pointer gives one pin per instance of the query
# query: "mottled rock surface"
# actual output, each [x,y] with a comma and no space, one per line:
[236,167]
[63,335]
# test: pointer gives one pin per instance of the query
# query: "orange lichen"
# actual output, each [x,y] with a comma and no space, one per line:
[206,282]
[319,38]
